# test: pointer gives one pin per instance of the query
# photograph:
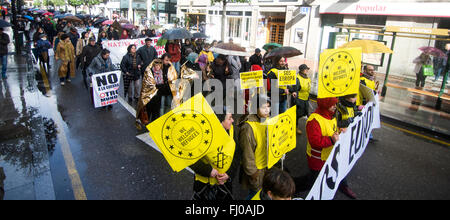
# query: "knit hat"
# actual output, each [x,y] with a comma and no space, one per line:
[326,103]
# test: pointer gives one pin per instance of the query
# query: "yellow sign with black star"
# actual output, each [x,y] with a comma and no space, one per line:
[282,135]
[188,132]
[339,72]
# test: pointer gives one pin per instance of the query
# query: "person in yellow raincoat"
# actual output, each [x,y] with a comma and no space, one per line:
[66,53]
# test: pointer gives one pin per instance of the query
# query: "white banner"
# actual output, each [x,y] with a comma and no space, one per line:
[106,88]
[346,152]
[118,48]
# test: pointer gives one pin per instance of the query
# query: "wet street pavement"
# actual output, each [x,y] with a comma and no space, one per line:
[55,145]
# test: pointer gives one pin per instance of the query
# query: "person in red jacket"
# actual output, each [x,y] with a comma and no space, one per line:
[322,133]
[174,49]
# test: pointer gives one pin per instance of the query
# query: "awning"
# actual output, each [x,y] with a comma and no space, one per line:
[388,9]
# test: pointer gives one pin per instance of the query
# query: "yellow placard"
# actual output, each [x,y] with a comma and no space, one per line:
[339,72]
[188,133]
[286,77]
[282,135]
[252,79]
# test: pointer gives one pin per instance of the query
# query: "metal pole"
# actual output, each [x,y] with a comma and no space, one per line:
[383,92]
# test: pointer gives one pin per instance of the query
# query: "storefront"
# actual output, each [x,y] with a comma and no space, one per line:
[405,28]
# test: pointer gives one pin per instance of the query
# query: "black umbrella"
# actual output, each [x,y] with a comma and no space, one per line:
[284,52]
[99,21]
[199,35]
[177,34]
[4,24]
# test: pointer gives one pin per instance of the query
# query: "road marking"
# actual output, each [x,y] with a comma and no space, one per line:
[416,134]
[75,179]
[127,106]
[145,137]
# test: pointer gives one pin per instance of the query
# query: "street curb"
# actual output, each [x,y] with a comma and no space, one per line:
[416,128]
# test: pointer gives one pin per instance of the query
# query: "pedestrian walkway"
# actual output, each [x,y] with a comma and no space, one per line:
[23,146]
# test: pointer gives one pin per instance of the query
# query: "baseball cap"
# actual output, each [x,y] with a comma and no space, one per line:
[303,67]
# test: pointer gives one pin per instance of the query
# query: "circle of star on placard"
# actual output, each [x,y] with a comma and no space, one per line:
[187,119]
[284,125]
[339,61]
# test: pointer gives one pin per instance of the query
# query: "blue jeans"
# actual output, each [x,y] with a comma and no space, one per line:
[438,73]
[279,108]
[177,67]
[283,106]
[4,60]
[166,104]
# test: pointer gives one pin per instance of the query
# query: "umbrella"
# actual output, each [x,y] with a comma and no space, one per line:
[72,18]
[4,24]
[284,52]
[368,46]
[60,16]
[124,21]
[28,17]
[99,21]
[199,35]
[48,13]
[128,26]
[229,49]
[271,46]
[177,34]
[40,11]
[433,51]
[107,22]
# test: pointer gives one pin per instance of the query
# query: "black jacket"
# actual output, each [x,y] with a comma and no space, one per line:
[256,60]
[282,95]
[147,55]
[4,41]
[88,54]
[127,65]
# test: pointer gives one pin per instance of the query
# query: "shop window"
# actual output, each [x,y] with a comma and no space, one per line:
[371,19]
[332,19]
[247,29]
[234,27]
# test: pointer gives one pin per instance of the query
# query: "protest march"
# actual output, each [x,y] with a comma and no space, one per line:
[230,120]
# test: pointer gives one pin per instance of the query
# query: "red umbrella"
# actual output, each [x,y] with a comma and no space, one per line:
[107,22]
[433,51]
[48,13]
[128,26]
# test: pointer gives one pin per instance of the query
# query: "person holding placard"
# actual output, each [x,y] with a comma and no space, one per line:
[322,133]
[253,143]
[300,92]
[217,170]
[281,104]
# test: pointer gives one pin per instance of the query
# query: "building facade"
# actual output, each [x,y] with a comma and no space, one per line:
[308,24]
